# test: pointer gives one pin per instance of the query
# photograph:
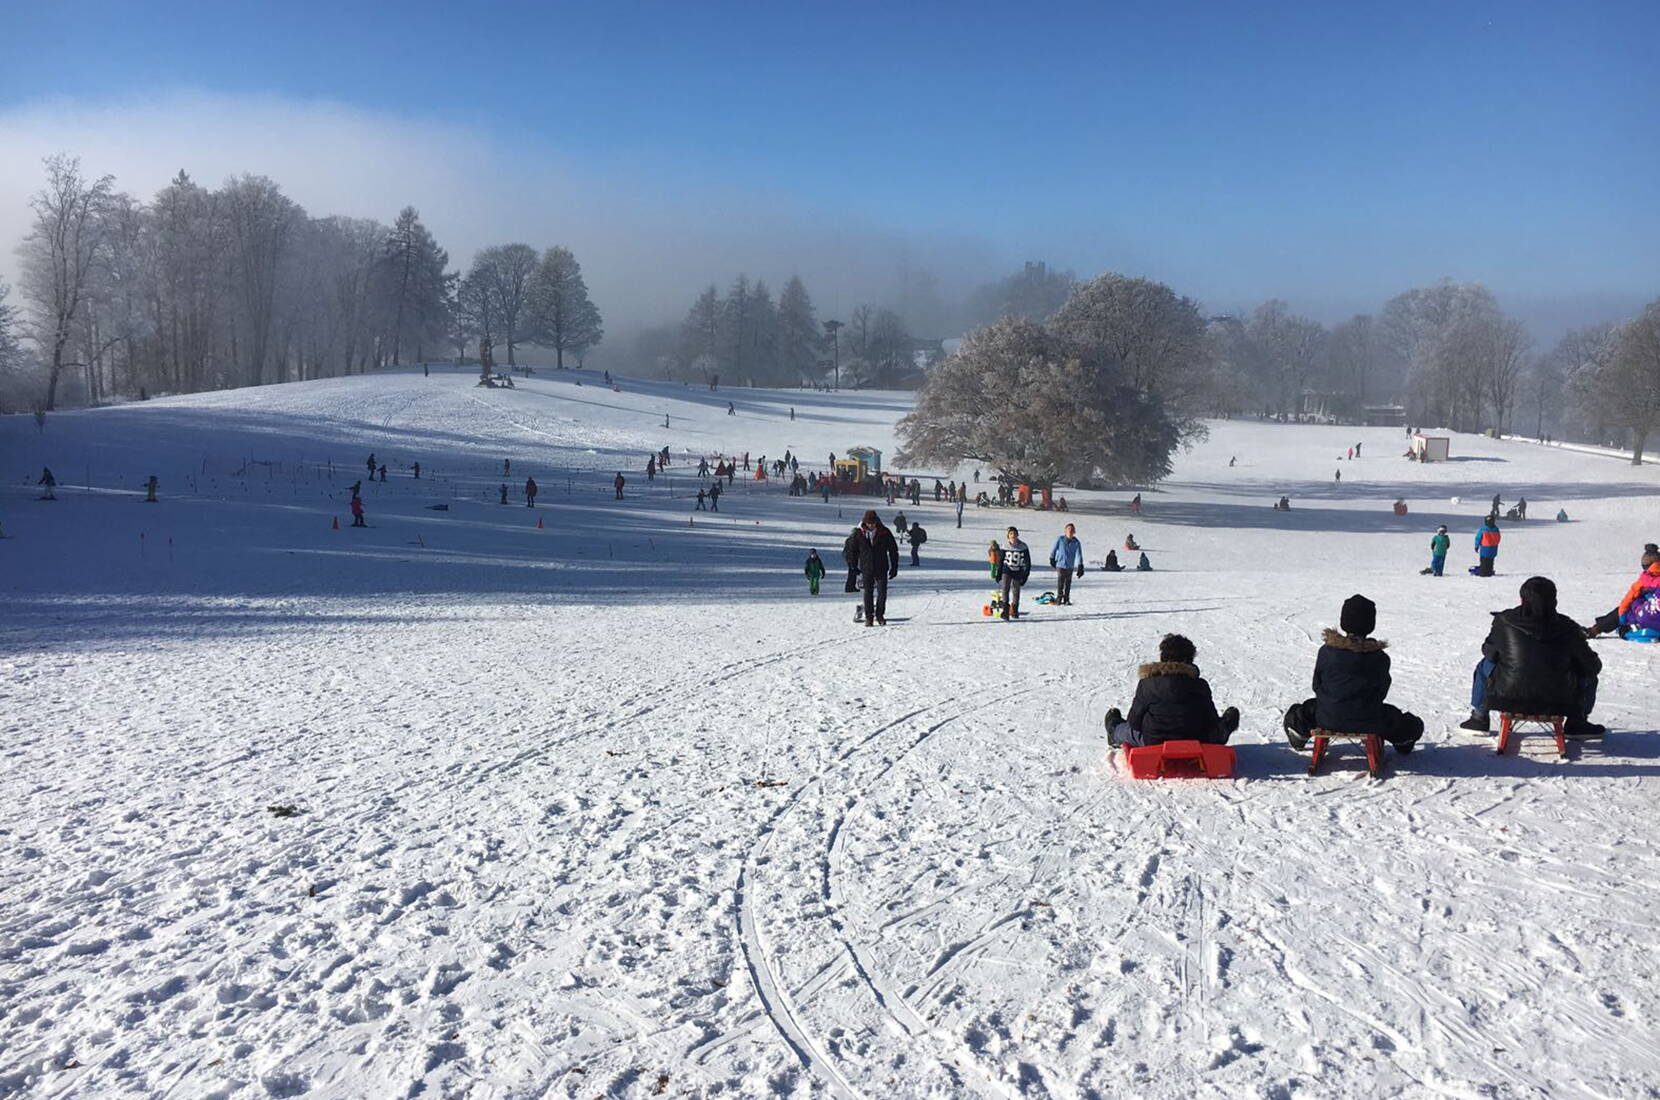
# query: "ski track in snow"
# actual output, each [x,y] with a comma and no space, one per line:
[612,808]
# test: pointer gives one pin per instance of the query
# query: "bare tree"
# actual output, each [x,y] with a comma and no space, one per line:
[59,256]
[261,219]
[1623,386]
[505,272]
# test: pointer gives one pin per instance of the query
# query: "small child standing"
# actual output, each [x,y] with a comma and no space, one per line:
[814,571]
[1438,547]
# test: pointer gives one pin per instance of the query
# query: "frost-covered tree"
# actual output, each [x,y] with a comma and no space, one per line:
[60,256]
[700,334]
[414,286]
[261,220]
[762,353]
[506,272]
[1156,336]
[887,361]
[1622,385]
[1034,293]
[1040,409]
[565,319]
[1289,347]
[800,341]
[475,308]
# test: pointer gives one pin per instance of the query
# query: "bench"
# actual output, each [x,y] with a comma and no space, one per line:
[1180,759]
[1510,728]
[1319,739]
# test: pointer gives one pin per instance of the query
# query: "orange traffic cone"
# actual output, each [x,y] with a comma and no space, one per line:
[538,523]
[337,523]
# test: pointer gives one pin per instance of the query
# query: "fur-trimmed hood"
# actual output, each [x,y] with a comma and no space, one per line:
[1169,668]
[1339,640]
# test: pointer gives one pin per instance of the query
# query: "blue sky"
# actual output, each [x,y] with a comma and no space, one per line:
[1326,153]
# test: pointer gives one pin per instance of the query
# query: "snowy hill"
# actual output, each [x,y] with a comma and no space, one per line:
[611,806]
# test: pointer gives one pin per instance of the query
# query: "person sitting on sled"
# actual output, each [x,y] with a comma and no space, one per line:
[1111,564]
[1640,609]
[1172,702]
[1351,681]
[1535,661]
[1143,565]
[1130,542]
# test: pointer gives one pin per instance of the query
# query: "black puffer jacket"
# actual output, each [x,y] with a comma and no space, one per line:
[878,552]
[1173,702]
[1541,662]
[1351,681]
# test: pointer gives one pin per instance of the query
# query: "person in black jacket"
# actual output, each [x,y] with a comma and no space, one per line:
[1172,702]
[1535,661]
[1351,681]
[1014,567]
[850,555]
[878,557]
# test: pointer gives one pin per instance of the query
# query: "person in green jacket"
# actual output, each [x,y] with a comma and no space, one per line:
[1439,544]
[814,571]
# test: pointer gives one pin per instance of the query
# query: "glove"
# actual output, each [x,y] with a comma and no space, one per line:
[1080,570]
[892,573]
[1051,561]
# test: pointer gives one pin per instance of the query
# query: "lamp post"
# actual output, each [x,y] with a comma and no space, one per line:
[831,328]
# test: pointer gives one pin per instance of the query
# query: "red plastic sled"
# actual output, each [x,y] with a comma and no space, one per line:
[1319,739]
[1510,728]
[1180,759]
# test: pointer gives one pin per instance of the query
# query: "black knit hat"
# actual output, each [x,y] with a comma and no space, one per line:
[1360,616]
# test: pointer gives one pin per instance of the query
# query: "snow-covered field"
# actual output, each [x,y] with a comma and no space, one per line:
[613,807]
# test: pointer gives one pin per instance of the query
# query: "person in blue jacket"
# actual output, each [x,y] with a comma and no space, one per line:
[1067,558]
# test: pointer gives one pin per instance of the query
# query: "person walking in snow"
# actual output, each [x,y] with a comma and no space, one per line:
[1013,570]
[372,466]
[1521,507]
[1066,557]
[48,483]
[878,557]
[1338,477]
[900,523]
[731,410]
[1357,450]
[1487,546]
[507,467]
[1498,504]
[651,468]
[1439,544]
[703,467]
[959,513]
[504,492]
[714,496]
[1172,702]
[1535,661]
[917,536]
[1135,505]
[850,555]
[814,571]
[417,471]
[1351,681]
[701,497]
[530,492]
[383,471]
[357,511]
[618,482]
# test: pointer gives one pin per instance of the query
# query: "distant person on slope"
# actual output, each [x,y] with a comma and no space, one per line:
[1640,607]
[618,482]
[1013,569]
[651,468]
[814,571]
[850,555]
[1130,542]
[1535,661]
[1143,565]
[1487,547]
[1351,682]
[917,536]
[878,564]
[504,492]
[714,496]
[1172,702]
[357,511]
[1066,557]
[150,487]
[48,483]
[530,492]
[1111,564]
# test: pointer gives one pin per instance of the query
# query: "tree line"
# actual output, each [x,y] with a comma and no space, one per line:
[202,289]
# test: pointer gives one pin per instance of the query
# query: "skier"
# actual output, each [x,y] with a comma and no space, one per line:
[1015,567]
[1439,544]
[1487,546]
[530,492]
[1172,701]
[917,536]
[1638,609]
[815,571]
[878,558]
[357,511]
[1066,557]
[1535,661]
[49,482]
[1351,681]
[619,481]
[1111,564]
[150,490]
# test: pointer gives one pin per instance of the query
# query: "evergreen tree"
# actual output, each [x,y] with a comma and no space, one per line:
[414,287]
[565,318]
[736,322]
[800,343]
[700,333]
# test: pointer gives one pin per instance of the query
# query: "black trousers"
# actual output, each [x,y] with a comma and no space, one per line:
[1063,585]
[1484,567]
[1404,727]
[876,595]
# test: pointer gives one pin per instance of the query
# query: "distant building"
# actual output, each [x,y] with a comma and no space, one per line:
[1383,416]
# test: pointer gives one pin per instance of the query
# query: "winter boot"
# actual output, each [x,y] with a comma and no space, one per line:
[1477,722]
[1296,740]
[1230,720]
[1582,728]
[1114,719]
